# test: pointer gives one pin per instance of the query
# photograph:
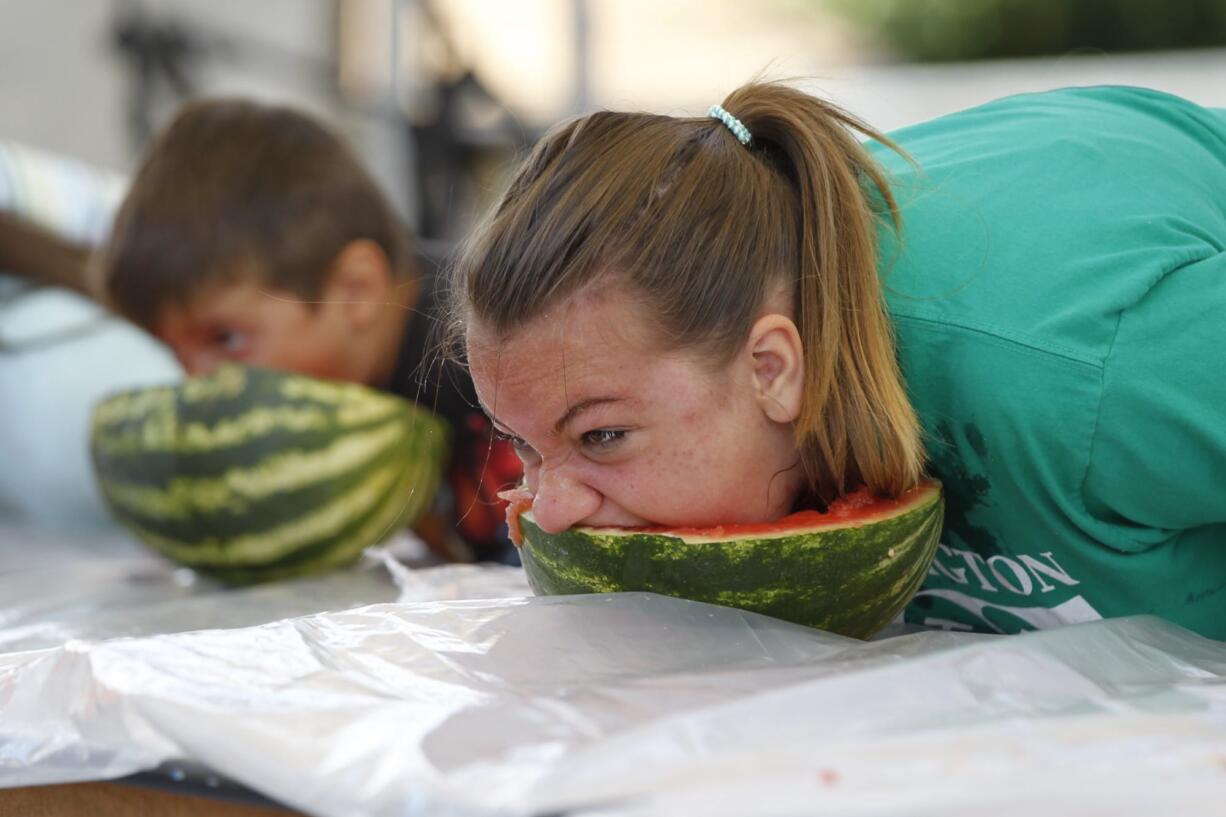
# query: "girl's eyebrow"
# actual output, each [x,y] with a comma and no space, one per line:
[569,415]
[578,408]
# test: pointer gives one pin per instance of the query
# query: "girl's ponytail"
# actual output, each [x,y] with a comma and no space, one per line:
[857,425]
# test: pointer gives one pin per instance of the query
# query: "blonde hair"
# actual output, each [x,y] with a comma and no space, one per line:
[702,228]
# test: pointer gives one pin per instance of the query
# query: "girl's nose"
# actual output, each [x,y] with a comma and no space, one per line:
[561,501]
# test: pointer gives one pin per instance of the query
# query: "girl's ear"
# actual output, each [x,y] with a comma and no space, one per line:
[360,283]
[778,366]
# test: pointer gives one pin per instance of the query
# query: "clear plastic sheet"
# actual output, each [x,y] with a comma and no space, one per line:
[55,587]
[629,704]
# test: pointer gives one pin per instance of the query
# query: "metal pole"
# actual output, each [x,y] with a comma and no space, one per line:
[581,17]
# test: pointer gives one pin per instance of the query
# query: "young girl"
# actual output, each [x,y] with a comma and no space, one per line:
[693,321]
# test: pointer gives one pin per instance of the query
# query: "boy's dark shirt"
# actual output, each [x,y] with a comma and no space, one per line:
[480,466]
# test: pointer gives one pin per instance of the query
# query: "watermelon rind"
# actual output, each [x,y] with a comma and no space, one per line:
[250,475]
[850,579]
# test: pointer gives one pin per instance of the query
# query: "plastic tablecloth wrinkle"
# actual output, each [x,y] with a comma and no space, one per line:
[633,704]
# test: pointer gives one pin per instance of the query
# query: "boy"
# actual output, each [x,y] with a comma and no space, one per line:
[251,233]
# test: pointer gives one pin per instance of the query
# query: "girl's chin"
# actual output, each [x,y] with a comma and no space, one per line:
[704,521]
[698,522]
[617,521]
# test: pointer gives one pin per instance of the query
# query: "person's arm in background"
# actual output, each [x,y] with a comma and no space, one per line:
[53,210]
[38,255]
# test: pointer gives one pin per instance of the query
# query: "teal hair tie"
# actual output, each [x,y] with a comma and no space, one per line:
[733,124]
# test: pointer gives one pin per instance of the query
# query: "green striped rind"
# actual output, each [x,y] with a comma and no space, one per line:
[250,475]
[232,411]
[849,580]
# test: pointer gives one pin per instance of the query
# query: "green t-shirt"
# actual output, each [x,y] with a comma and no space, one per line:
[1059,298]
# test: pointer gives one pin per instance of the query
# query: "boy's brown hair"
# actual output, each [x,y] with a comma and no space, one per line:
[702,229]
[232,189]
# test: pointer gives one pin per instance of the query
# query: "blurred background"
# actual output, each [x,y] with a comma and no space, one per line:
[438,96]
[437,93]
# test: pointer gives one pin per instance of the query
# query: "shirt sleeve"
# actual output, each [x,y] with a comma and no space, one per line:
[1158,459]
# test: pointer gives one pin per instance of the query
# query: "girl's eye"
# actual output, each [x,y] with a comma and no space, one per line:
[604,437]
[516,442]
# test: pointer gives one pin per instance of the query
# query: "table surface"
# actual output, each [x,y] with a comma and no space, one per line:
[122,799]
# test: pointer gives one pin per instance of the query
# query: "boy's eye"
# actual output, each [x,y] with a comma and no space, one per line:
[231,341]
[604,437]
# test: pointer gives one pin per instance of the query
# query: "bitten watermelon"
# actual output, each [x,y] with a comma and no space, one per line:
[850,570]
[250,475]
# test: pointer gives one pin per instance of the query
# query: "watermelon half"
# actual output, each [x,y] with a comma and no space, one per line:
[250,475]
[850,570]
